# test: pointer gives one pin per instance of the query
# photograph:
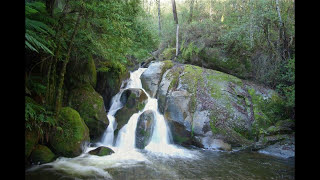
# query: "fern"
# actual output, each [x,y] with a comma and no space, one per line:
[38,33]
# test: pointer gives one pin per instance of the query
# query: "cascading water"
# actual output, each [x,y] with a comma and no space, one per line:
[159,159]
[160,141]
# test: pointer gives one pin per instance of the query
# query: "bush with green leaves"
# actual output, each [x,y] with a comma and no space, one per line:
[38,119]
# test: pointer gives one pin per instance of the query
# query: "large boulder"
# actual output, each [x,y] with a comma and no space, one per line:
[144,129]
[205,107]
[133,100]
[90,105]
[280,145]
[101,151]
[68,140]
[151,78]
[42,154]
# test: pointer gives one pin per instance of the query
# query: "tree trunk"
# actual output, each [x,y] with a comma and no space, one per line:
[50,6]
[51,83]
[64,67]
[158,1]
[191,11]
[280,29]
[177,41]
[175,17]
[251,24]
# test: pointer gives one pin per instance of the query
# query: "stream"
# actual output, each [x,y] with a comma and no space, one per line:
[160,159]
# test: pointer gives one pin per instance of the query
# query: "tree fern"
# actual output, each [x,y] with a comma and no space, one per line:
[37,36]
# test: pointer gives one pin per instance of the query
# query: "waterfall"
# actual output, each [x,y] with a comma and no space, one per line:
[160,141]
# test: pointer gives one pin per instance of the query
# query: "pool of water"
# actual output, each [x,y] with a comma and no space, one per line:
[186,164]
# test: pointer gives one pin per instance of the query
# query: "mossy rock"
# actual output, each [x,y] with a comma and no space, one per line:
[101,151]
[90,106]
[75,133]
[144,130]
[134,100]
[41,154]
[81,72]
[268,108]
[31,139]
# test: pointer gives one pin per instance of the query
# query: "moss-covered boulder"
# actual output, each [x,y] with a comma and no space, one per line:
[31,139]
[73,134]
[90,106]
[144,129]
[41,154]
[101,151]
[133,100]
[196,101]
[80,72]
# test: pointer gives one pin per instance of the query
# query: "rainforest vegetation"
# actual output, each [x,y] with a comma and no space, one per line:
[76,49]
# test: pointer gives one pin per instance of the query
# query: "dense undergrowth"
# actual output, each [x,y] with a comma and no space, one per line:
[252,40]
[64,36]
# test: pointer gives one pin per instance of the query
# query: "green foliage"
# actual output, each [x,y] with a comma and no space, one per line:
[37,118]
[188,51]
[169,53]
[37,31]
[287,83]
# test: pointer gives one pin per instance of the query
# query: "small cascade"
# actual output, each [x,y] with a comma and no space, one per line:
[108,136]
[160,140]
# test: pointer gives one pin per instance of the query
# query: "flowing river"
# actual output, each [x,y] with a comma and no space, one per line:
[160,159]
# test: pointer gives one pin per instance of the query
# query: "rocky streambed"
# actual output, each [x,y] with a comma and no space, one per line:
[213,110]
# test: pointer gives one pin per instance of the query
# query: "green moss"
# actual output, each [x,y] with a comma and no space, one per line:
[42,154]
[90,105]
[268,111]
[212,122]
[105,151]
[31,139]
[167,64]
[180,140]
[141,106]
[75,132]
[81,72]
[169,53]
[174,73]
[91,67]
[101,151]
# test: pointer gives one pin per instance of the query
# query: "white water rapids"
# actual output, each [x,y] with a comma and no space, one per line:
[126,155]
[159,159]
[126,137]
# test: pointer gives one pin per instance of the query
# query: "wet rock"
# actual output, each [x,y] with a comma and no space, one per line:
[144,130]
[41,154]
[151,78]
[134,100]
[196,101]
[210,143]
[284,148]
[74,134]
[101,151]
[90,106]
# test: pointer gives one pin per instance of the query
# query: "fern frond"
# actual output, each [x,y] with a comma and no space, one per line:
[32,40]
